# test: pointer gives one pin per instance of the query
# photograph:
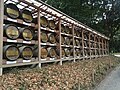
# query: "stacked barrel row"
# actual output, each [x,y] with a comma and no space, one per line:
[78,42]
[73,44]
[14,31]
[66,41]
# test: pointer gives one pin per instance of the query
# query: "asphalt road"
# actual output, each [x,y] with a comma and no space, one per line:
[111,82]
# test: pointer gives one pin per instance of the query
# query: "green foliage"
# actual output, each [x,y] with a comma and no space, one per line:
[102,15]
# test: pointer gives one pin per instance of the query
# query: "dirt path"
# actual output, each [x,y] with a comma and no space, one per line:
[111,82]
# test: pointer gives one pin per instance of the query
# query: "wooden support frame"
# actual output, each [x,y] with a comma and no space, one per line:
[74,24]
[59,25]
[73,41]
[39,39]
[83,44]
[1,34]
[89,45]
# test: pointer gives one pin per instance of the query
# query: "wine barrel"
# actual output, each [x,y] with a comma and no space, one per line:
[86,36]
[51,52]
[11,10]
[85,52]
[35,51]
[63,52]
[77,42]
[44,53]
[52,24]
[67,30]
[78,33]
[75,30]
[62,28]
[77,52]
[26,16]
[62,40]
[11,31]
[35,35]
[67,52]
[26,52]
[27,34]
[44,37]
[51,38]
[43,21]
[67,41]
[10,52]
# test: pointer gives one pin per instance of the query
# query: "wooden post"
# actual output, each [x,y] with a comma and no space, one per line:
[89,45]
[108,47]
[105,46]
[39,39]
[73,42]
[83,44]
[95,46]
[59,24]
[102,47]
[1,34]
[99,46]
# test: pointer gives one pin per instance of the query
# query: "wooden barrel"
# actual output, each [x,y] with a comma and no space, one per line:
[78,33]
[35,51]
[63,52]
[35,35]
[26,52]
[86,52]
[75,30]
[67,30]
[52,24]
[77,52]
[77,42]
[62,28]
[11,31]
[11,52]
[44,52]
[44,37]
[51,52]
[51,38]
[67,41]
[27,33]
[62,40]
[71,52]
[86,36]
[67,52]
[43,21]
[26,16]
[11,10]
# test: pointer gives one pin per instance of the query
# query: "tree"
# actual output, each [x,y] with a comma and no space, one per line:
[102,15]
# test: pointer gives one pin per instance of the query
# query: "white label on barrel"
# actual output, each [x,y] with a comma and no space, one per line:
[52,44]
[43,43]
[43,59]
[9,40]
[11,62]
[26,60]
[51,30]
[26,23]
[9,19]
[67,57]
[43,28]
[27,42]
[52,58]
[67,46]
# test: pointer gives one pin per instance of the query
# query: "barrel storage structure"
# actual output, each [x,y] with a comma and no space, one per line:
[33,32]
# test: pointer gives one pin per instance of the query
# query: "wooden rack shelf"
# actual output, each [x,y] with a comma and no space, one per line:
[90,44]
